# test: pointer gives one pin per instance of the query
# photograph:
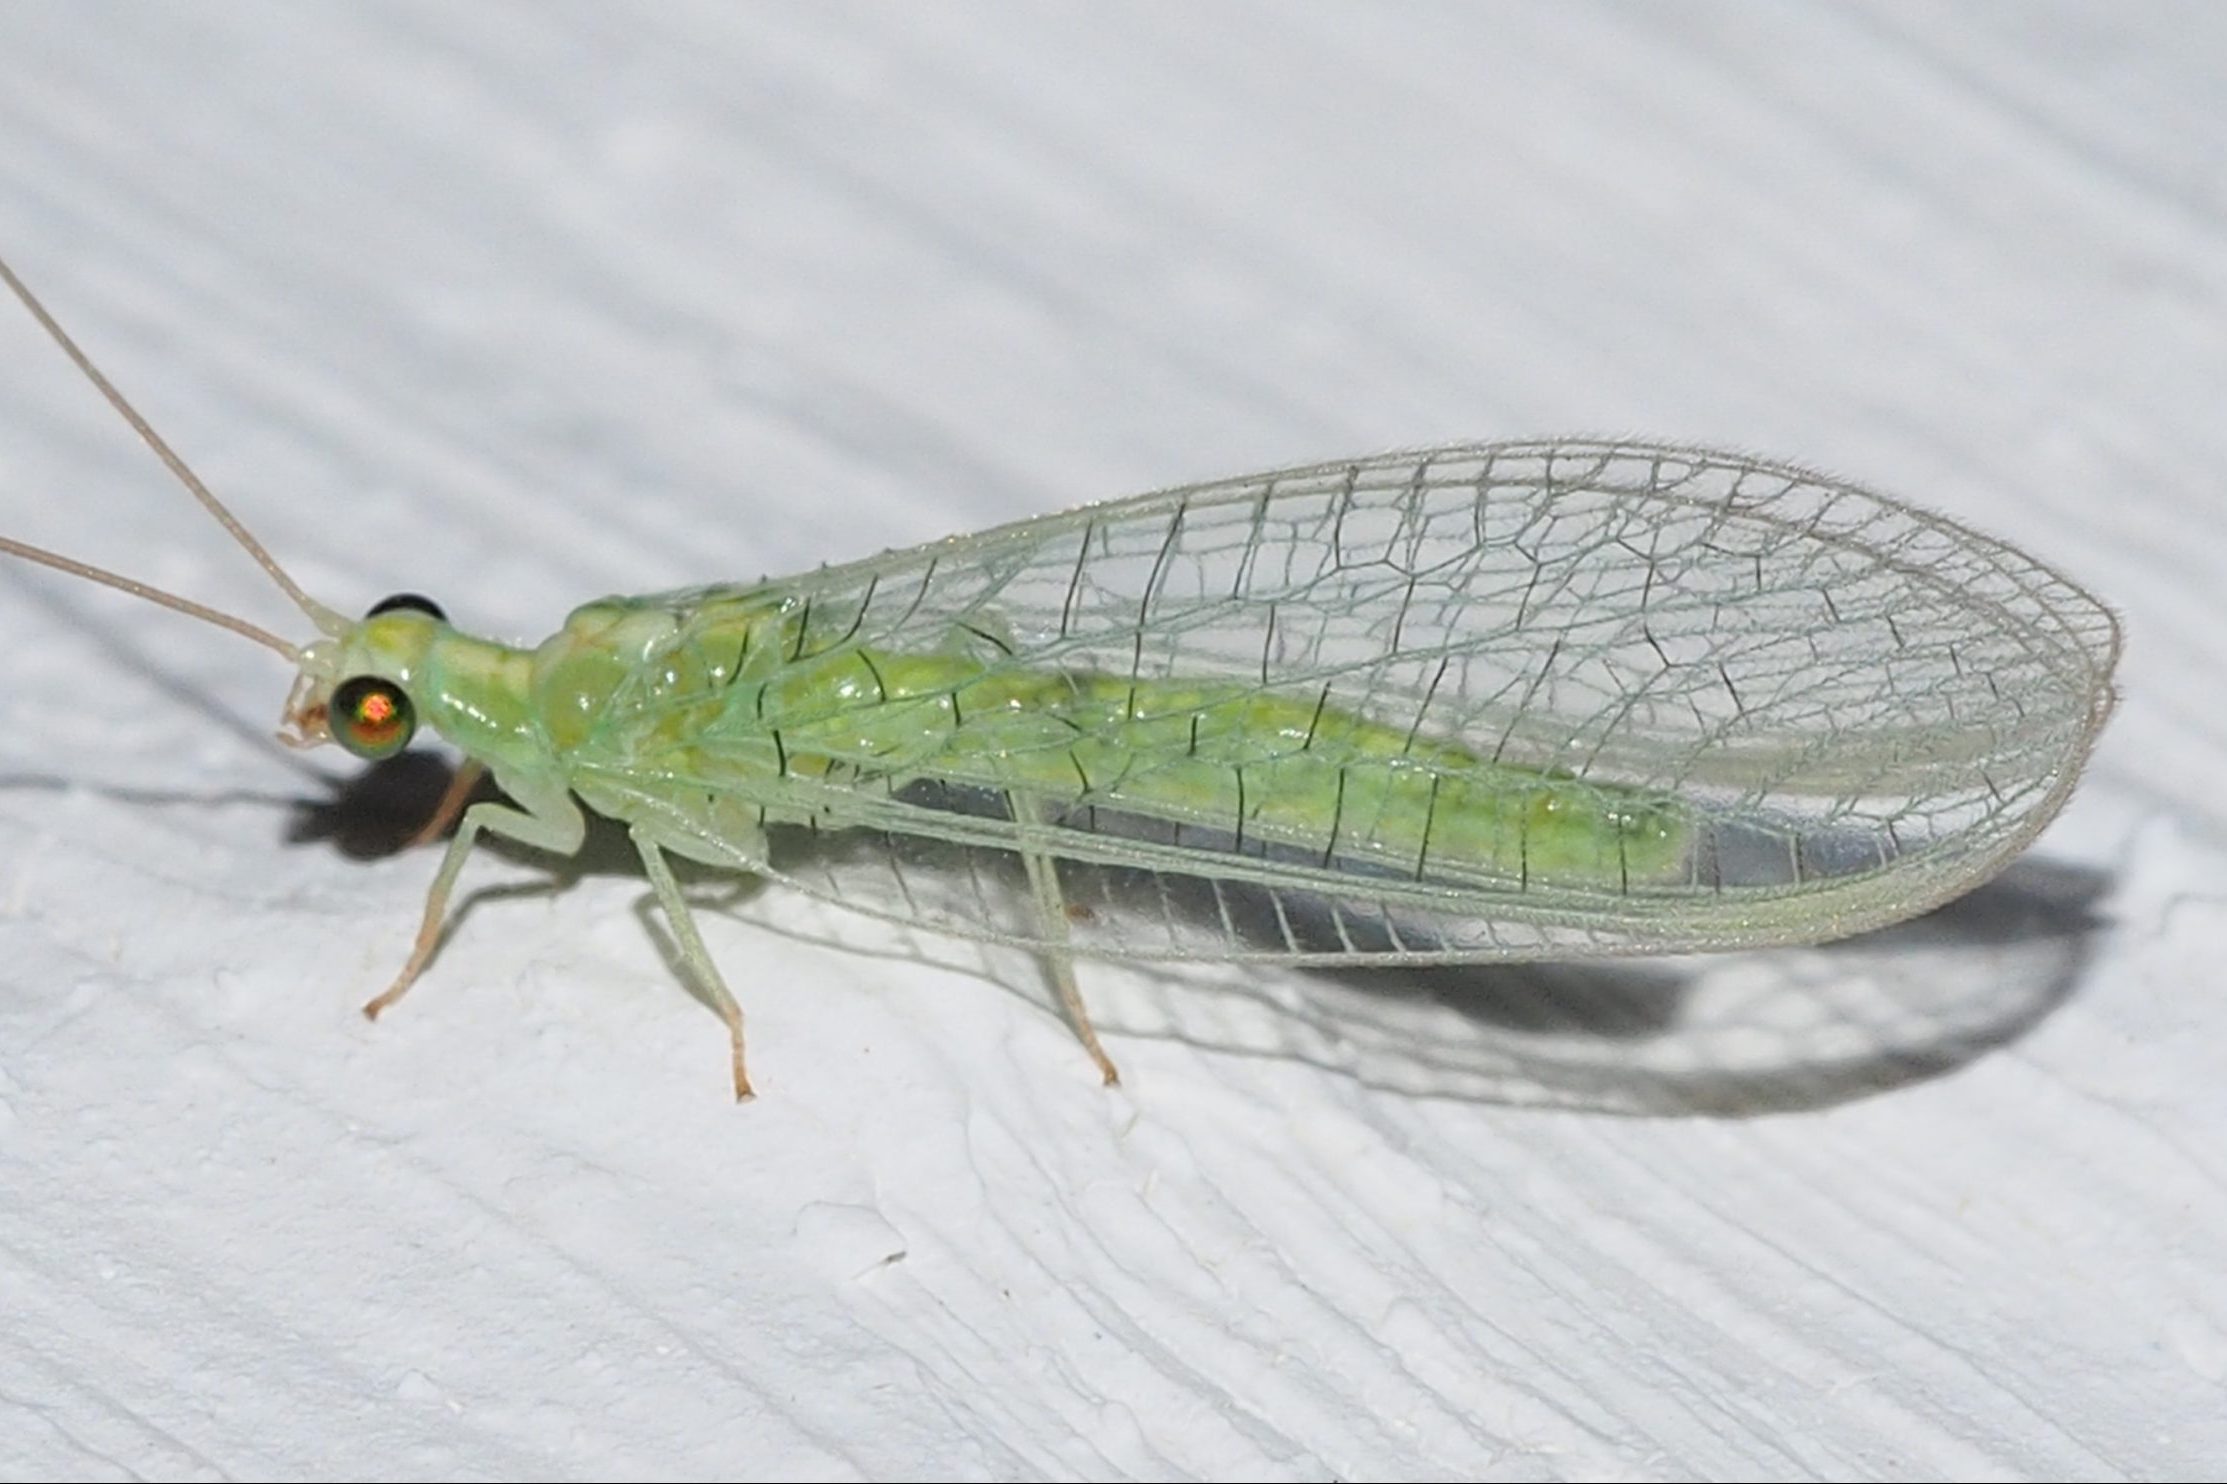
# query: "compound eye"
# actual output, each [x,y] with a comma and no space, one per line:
[371,717]
[411,601]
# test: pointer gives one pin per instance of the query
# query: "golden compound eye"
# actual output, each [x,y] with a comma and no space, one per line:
[371,717]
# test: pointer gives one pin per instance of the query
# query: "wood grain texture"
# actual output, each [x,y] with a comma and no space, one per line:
[516,306]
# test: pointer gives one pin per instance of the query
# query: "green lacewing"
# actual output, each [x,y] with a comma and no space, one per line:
[1520,700]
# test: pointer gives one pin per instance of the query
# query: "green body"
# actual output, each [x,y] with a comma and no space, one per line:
[714,708]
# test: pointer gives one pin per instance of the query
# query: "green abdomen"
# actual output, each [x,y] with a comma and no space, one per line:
[1244,767]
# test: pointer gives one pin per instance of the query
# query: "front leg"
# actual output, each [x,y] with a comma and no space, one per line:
[545,818]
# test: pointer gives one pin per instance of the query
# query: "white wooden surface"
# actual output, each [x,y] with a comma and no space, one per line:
[517,305]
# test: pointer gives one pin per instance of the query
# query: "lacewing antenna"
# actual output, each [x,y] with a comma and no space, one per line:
[325,618]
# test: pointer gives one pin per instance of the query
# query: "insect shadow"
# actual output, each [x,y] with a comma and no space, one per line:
[1722,1035]
[1725,1035]
[379,810]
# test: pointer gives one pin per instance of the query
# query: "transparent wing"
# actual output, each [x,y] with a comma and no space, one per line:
[1857,709]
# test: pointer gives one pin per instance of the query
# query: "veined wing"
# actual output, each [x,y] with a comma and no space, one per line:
[1824,709]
